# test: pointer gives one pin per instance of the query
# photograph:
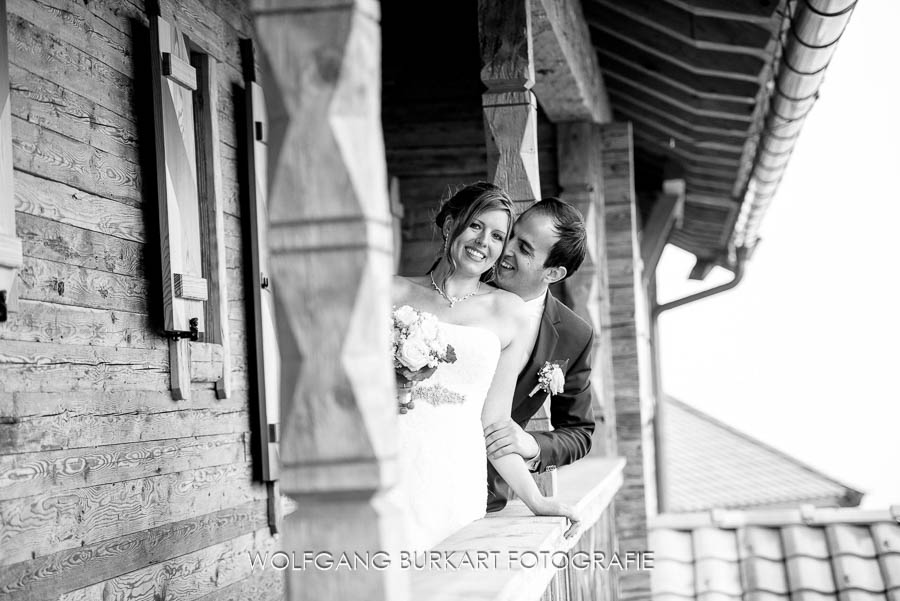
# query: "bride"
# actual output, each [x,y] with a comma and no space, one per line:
[441,447]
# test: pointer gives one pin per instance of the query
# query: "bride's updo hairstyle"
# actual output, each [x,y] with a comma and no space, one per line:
[464,207]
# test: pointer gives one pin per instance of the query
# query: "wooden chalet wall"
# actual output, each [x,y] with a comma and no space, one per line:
[108,487]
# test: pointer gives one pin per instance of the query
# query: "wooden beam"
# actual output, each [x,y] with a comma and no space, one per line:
[330,244]
[691,127]
[701,269]
[620,71]
[700,32]
[749,11]
[684,152]
[668,208]
[700,123]
[702,62]
[510,109]
[679,135]
[703,85]
[569,85]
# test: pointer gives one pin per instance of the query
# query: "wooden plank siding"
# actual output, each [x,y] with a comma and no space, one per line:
[109,487]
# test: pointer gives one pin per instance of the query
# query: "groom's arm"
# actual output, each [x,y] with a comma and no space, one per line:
[571,415]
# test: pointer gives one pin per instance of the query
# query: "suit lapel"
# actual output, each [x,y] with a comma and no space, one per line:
[543,349]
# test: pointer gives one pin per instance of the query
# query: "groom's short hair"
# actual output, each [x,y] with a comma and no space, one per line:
[568,223]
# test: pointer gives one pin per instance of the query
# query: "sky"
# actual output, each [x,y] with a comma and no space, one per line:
[803,354]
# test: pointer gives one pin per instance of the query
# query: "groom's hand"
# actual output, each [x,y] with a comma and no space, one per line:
[505,437]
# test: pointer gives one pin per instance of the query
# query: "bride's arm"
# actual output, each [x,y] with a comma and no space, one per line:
[498,407]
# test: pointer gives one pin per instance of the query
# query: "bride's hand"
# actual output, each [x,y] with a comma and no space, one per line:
[551,507]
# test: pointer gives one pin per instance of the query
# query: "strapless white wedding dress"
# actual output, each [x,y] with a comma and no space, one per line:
[443,465]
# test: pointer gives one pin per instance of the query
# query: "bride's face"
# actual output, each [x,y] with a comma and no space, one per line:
[480,244]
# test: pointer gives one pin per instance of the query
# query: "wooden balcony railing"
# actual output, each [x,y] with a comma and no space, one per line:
[513,555]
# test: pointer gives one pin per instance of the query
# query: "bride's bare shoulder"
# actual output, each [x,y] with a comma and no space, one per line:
[507,303]
[403,287]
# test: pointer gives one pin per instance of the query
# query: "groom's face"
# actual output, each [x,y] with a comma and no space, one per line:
[521,270]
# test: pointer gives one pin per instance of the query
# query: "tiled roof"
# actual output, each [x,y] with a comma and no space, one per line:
[709,464]
[806,554]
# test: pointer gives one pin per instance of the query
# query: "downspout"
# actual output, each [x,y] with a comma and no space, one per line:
[659,418]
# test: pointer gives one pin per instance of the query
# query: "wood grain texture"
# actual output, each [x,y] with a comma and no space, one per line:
[60,283]
[39,51]
[52,522]
[26,474]
[336,112]
[506,44]
[65,432]
[52,156]
[630,348]
[52,200]
[39,321]
[65,571]
[569,85]
[212,222]
[265,585]
[510,109]
[54,241]
[54,107]
[186,577]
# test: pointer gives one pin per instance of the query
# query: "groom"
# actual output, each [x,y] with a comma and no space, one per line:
[547,246]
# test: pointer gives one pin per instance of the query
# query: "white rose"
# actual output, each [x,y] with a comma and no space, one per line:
[414,354]
[428,326]
[405,316]
[557,381]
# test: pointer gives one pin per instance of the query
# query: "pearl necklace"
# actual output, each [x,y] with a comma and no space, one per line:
[454,299]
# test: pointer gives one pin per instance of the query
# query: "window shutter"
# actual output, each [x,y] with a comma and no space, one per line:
[10,245]
[266,368]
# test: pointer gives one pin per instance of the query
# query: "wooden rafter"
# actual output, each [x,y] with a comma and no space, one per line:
[679,119]
[704,85]
[568,85]
[740,67]
[701,32]
[749,11]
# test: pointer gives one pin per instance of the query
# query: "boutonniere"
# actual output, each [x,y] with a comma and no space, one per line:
[551,378]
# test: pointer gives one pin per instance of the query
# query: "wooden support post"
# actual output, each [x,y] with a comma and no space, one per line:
[632,375]
[330,241]
[668,209]
[510,108]
[580,176]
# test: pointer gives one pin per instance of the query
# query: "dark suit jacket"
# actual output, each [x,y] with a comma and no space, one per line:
[562,335]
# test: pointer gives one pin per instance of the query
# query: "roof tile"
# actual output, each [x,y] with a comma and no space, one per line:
[852,572]
[672,544]
[763,596]
[813,596]
[890,569]
[712,464]
[756,541]
[853,540]
[673,577]
[718,597]
[810,574]
[805,541]
[764,575]
[887,537]
[858,595]
[718,576]
[715,542]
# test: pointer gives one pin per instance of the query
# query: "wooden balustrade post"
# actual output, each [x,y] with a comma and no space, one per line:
[510,108]
[330,241]
[580,177]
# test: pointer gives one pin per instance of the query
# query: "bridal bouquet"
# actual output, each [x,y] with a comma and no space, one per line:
[418,349]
